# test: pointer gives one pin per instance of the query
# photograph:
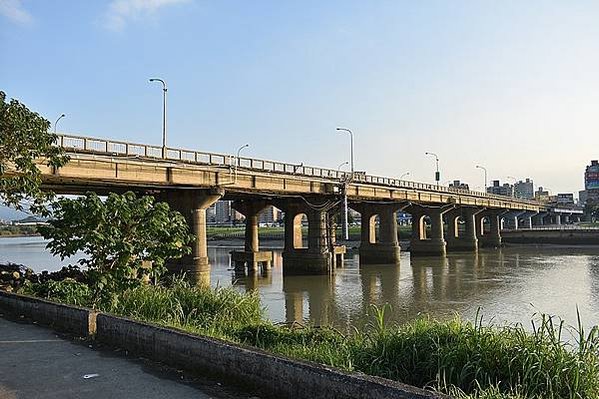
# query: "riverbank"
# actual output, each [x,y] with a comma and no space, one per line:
[570,236]
[466,359]
[18,231]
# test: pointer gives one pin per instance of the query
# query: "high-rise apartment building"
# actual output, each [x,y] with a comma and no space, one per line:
[524,189]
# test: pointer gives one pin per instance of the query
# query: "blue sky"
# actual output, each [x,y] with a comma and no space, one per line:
[510,85]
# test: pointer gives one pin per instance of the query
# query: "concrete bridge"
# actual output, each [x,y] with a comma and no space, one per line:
[444,219]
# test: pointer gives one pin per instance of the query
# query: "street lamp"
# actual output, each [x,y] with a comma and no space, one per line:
[239,151]
[351,159]
[345,207]
[163,114]
[404,174]
[56,123]
[485,170]
[341,166]
[437,174]
[351,137]
[237,162]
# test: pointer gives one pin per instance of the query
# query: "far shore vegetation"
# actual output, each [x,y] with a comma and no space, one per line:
[18,231]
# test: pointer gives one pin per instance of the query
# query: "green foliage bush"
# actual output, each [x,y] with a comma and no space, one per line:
[126,239]
[65,291]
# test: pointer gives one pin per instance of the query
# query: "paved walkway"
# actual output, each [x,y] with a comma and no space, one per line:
[36,363]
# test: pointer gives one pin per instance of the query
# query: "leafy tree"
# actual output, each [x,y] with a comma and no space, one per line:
[126,239]
[24,138]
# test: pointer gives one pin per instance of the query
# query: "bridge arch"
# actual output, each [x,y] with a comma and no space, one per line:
[485,225]
[374,222]
[424,227]
[300,240]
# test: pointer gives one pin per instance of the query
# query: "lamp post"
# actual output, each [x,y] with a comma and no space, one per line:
[239,151]
[404,174]
[351,159]
[56,123]
[237,162]
[485,170]
[164,89]
[437,174]
[351,148]
[345,208]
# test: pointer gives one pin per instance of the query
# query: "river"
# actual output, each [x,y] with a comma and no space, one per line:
[507,285]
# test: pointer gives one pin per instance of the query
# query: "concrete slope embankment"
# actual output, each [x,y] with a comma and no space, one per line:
[273,375]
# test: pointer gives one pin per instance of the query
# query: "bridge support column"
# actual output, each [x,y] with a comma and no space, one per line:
[251,255]
[421,244]
[526,220]
[193,204]
[317,256]
[467,240]
[511,220]
[382,248]
[492,237]
[538,219]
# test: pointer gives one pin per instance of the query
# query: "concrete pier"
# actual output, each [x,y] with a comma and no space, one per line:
[317,256]
[192,204]
[381,248]
[420,243]
[492,237]
[251,257]
[465,240]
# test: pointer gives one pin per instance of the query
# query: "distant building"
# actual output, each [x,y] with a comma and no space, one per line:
[270,215]
[498,189]
[591,183]
[582,197]
[524,189]
[29,221]
[354,217]
[211,214]
[225,214]
[459,184]
[542,195]
[565,199]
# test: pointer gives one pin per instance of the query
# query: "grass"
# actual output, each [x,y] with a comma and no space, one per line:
[466,359]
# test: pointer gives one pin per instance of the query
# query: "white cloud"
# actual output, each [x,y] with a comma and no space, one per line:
[121,11]
[13,10]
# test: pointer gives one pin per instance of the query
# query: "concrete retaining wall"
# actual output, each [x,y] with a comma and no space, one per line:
[275,375]
[74,320]
[559,237]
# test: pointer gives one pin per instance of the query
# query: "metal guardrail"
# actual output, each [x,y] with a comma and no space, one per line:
[122,148]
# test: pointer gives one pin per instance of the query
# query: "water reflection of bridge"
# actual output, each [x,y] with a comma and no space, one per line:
[418,285]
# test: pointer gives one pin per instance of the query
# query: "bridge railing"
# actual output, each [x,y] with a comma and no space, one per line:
[121,148]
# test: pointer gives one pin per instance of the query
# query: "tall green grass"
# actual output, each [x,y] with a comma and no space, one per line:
[462,358]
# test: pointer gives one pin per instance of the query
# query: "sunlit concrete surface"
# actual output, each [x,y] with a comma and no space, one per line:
[37,363]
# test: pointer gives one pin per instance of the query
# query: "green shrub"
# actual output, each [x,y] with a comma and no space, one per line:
[66,291]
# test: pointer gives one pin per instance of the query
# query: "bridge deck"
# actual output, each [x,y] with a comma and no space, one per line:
[104,165]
